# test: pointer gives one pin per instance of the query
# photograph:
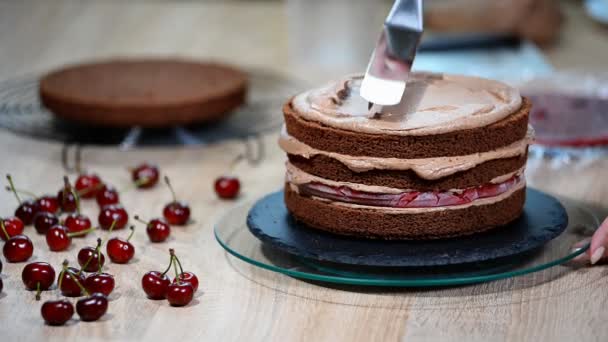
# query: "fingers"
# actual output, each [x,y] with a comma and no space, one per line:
[584,258]
[599,244]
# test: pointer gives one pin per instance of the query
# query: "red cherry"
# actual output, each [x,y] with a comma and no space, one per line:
[91,259]
[157,229]
[180,294]
[188,277]
[93,307]
[18,248]
[99,283]
[76,223]
[88,185]
[58,238]
[48,204]
[176,213]
[44,221]
[66,197]
[112,213]
[227,187]
[26,211]
[12,225]
[38,276]
[120,251]
[155,285]
[57,312]
[67,283]
[107,196]
[145,175]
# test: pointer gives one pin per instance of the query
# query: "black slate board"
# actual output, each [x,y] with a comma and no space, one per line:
[544,219]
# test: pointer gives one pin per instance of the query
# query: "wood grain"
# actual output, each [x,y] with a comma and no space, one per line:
[237,301]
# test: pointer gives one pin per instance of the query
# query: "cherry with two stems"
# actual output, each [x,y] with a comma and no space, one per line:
[179,292]
[13,226]
[91,259]
[59,238]
[17,248]
[70,281]
[38,276]
[145,175]
[157,229]
[119,250]
[67,197]
[94,305]
[176,212]
[26,211]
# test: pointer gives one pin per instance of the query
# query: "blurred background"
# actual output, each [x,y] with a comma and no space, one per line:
[290,45]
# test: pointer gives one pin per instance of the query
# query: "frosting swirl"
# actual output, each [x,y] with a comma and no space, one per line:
[432,104]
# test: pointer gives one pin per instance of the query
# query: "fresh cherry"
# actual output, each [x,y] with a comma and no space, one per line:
[227,187]
[107,196]
[76,223]
[87,185]
[67,197]
[57,312]
[157,229]
[18,248]
[113,213]
[176,212]
[91,259]
[188,277]
[26,209]
[48,203]
[155,284]
[12,225]
[38,276]
[180,293]
[100,283]
[120,251]
[58,238]
[145,175]
[70,281]
[44,221]
[93,307]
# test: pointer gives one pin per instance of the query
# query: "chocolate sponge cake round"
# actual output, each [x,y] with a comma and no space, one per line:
[447,161]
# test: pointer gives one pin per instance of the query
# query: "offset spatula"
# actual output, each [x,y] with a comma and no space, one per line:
[391,61]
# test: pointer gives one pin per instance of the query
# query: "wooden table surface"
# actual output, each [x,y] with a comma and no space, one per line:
[238,301]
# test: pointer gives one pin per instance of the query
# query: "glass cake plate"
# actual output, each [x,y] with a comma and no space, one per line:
[233,234]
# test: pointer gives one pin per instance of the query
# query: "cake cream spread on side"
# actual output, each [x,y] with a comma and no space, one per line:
[432,104]
[427,168]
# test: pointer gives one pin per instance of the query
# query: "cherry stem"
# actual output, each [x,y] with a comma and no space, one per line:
[82,232]
[170,188]
[110,230]
[170,262]
[75,277]
[21,191]
[4,230]
[76,198]
[38,291]
[132,228]
[141,181]
[136,218]
[179,263]
[235,162]
[60,281]
[12,186]
[88,190]
[92,256]
[175,268]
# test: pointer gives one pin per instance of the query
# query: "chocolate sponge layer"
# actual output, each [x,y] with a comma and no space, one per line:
[374,224]
[329,168]
[458,143]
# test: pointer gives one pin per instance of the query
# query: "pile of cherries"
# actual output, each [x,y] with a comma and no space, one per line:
[59,219]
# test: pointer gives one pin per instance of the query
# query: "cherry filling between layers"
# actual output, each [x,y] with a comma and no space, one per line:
[409,199]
